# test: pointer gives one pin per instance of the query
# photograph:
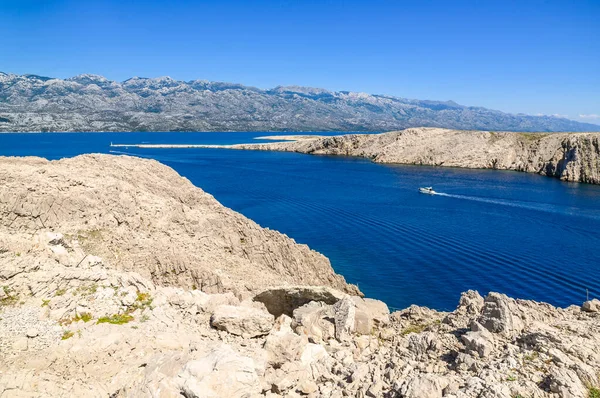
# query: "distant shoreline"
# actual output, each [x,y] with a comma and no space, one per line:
[286,138]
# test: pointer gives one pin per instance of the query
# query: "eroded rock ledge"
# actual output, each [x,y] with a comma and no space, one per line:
[568,156]
[75,323]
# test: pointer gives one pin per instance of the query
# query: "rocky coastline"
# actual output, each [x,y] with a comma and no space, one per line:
[571,157]
[119,278]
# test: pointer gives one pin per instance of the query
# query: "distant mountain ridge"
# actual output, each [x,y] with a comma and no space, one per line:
[93,103]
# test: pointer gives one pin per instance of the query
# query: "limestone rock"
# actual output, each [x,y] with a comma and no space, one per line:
[591,306]
[423,344]
[32,332]
[425,386]
[314,320]
[500,314]
[221,373]
[369,314]
[284,346]
[119,204]
[479,341]
[307,387]
[242,321]
[344,317]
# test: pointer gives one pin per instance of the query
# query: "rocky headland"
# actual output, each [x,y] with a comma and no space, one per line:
[568,156]
[119,278]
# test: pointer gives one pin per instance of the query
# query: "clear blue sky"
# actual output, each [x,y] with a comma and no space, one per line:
[530,56]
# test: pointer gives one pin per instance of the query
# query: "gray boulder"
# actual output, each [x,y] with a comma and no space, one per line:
[242,321]
[500,314]
[344,318]
[591,306]
[314,320]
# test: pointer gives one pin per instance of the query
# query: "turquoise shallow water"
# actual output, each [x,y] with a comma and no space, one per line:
[524,235]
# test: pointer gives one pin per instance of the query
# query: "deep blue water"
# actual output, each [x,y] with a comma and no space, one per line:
[524,235]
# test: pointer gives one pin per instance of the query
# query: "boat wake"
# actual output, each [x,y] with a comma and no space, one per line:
[545,207]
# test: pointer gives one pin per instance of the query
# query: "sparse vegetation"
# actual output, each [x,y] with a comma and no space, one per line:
[45,303]
[532,136]
[87,290]
[85,317]
[415,328]
[116,319]
[531,357]
[143,301]
[10,299]
[60,292]
[67,334]
[593,392]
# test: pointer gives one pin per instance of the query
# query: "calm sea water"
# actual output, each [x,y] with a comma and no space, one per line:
[524,235]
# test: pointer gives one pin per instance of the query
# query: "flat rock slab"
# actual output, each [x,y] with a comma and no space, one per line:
[242,321]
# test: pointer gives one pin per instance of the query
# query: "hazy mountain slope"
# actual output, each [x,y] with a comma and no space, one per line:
[93,103]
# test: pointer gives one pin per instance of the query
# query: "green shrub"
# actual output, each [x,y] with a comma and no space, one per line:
[116,319]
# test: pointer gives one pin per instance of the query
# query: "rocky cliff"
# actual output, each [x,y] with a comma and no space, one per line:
[139,215]
[568,156]
[76,324]
[94,103]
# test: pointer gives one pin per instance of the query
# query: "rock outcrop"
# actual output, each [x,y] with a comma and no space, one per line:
[567,156]
[76,324]
[139,215]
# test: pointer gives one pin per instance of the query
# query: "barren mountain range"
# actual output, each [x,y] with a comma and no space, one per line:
[30,103]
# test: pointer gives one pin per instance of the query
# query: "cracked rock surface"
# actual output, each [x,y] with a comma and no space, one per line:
[76,322]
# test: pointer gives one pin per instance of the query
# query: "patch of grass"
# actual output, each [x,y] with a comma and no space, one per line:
[18,254]
[593,392]
[144,318]
[45,303]
[60,292]
[87,290]
[67,334]
[415,328]
[142,301]
[532,136]
[532,357]
[511,378]
[85,317]
[115,319]
[10,299]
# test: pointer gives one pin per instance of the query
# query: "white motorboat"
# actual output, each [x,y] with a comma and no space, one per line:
[428,190]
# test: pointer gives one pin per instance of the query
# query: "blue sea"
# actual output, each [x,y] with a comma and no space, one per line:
[525,235]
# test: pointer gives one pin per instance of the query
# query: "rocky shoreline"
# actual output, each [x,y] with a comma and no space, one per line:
[571,157]
[119,278]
